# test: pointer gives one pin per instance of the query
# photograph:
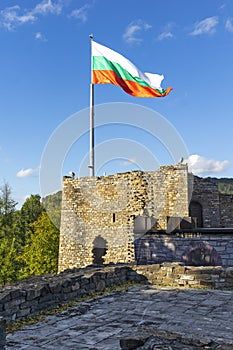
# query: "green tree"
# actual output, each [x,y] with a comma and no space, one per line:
[52,204]
[29,213]
[7,210]
[41,251]
[9,265]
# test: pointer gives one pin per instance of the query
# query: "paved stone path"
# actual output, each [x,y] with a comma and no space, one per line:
[100,323]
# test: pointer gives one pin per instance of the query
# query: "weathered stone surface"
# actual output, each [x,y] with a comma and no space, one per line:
[104,218]
[99,213]
[156,318]
[46,292]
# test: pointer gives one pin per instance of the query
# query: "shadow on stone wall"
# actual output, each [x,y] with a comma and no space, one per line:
[99,250]
[153,250]
[159,248]
[201,254]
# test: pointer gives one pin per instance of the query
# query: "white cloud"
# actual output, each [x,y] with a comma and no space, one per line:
[207,25]
[222,7]
[47,6]
[10,17]
[167,31]
[13,16]
[165,35]
[201,165]
[133,31]
[229,25]
[128,162]
[40,36]
[81,13]
[26,172]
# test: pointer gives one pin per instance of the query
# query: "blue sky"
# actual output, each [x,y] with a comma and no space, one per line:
[45,77]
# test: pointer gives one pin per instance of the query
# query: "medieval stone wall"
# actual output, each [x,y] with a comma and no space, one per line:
[194,248]
[98,213]
[226,210]
[217,208]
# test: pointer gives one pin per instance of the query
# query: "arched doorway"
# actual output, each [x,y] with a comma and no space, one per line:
[195,211]
[99,250]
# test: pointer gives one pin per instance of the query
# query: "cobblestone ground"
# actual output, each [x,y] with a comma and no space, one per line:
[177,319]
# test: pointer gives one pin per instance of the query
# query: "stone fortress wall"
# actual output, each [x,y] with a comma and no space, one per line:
[105,219]
[99,213]
[215,209]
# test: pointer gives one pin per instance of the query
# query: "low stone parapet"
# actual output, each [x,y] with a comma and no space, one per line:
[2,333]
[36,294]
[178,275]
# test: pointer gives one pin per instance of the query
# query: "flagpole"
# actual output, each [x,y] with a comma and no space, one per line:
[92,136]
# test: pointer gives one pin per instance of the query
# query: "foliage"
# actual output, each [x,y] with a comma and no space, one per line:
[28,239]
[225,187]
[9,246]
[29,213]
[7,210]
[224,184]
[32,209]
[52,204]
[41,250]
[8,264]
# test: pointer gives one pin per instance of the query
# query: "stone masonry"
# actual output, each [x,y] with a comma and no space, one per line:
[2,333]
[103,219]
[98,213]
[208,248]
[216,208]
[31,296]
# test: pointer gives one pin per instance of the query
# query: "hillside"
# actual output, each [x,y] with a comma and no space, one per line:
[225,185]
[52,204]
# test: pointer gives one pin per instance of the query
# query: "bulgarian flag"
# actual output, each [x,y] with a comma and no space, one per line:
[109,67]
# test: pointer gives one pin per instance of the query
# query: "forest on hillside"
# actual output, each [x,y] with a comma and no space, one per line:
[225,185]
[29,240]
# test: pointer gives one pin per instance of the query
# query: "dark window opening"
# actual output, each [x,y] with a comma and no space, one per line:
[195,211]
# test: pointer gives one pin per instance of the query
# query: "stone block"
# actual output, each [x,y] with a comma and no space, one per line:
[179,270]
[17,293]
[5,296]
[100,286]
[75,286]
[32,294]
[13,304]
[23,312]
[187,277]
[2,333]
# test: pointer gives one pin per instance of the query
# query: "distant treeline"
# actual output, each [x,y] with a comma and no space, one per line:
[225,185]
[52,205]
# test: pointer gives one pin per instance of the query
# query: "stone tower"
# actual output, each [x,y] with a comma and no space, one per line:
[102,216]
